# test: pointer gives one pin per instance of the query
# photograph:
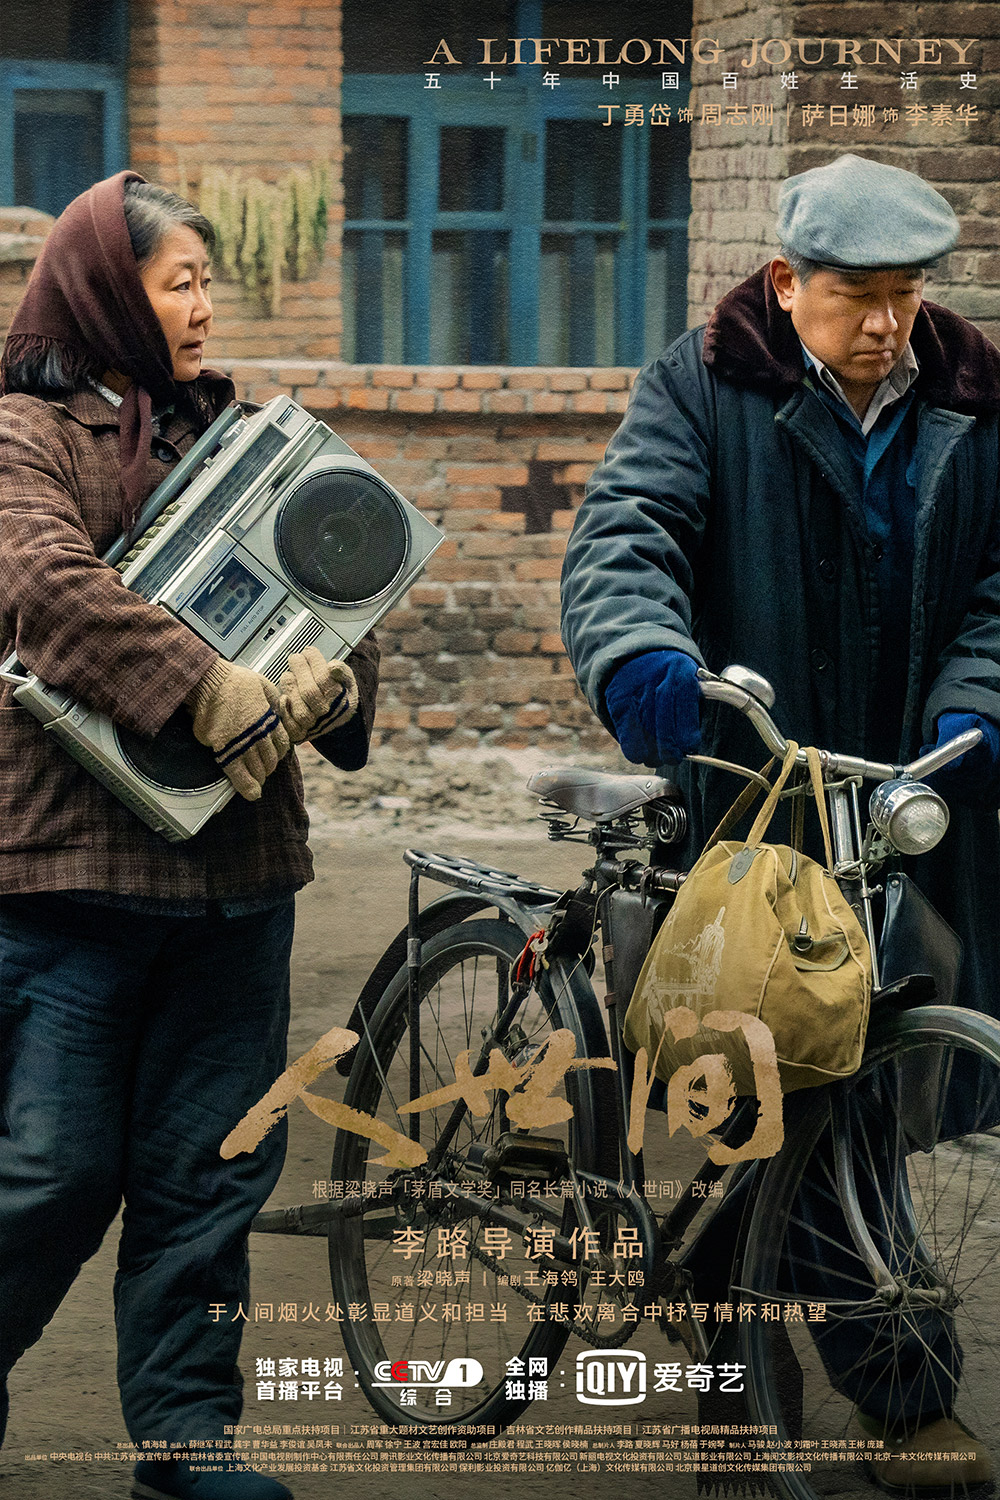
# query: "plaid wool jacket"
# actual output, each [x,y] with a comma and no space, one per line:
[73,622]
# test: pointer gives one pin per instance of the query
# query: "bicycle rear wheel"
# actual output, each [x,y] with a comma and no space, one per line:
[873,1256]
[431,1279]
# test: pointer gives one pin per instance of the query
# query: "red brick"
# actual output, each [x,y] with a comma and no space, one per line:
[482,718]
[506,403]
[460,401]
[551,642]
[481,380]
[392,375]
[364,398]
[538,567]
[376,450]
[421,401]
[265,393]
[487,544]
[488,498]
[428,593]
[589,401]
[610,380]
[464,569]
[502,475]
[512,689]
[394,718]
[574,474]
[532,716]
[527,380]
[437,718]
[567,380]
[557,690]
[546,403]
[515,642]
[298,375]
[571,450]
[504,520]
[352,375]
[437,378]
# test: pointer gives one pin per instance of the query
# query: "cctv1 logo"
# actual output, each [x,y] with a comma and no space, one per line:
[424,1372]
[611,1377]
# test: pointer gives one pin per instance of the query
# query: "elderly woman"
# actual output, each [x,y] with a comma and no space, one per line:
[143,985]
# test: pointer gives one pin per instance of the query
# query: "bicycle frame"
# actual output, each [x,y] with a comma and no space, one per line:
[561,928]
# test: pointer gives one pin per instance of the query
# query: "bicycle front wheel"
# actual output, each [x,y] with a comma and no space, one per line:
[872,1263]
[447,1273]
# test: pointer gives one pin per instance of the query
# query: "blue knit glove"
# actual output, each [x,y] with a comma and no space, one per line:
[653,702]
[972,777]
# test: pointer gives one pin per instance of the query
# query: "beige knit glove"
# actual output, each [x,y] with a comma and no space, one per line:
[316,695]
[235,715]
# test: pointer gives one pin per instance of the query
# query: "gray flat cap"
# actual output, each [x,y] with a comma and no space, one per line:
[858,213]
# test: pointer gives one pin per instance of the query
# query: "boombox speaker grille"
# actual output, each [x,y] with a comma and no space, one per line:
[342,537]
[173,759]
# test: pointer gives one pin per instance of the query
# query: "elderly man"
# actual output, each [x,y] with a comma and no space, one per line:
[809,486]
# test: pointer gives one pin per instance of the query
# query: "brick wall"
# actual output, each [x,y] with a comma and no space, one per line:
[736,171]
[255,87]
[498,458]
[22,234]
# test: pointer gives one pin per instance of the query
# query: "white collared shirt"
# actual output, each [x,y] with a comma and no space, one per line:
[113,396]
[893,388]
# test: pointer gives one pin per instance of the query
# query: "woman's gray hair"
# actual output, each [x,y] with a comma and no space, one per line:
[151,212]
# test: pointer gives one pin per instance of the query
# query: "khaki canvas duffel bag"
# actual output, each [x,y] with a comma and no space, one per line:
[766,931]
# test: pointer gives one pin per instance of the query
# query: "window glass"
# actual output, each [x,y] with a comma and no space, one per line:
[372,46]
[516,225]
[58,145]
[583,168]
[470,168]
[577,299]
[469,297]
[375,167]
[669,183]
[63,30]
[374,306]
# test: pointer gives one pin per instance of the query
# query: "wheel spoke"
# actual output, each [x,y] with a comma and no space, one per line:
[465,990]
[924,1165]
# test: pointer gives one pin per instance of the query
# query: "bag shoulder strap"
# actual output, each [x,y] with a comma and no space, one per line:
[744,801]
[763,819]
[816,777]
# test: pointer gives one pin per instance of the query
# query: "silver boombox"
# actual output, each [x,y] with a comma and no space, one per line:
[270,535]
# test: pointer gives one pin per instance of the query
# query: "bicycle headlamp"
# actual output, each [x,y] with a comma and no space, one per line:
[909,814]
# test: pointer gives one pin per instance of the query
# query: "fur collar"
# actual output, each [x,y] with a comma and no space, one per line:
[751,341]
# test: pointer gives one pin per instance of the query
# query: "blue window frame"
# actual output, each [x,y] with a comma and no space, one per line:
[62,91]
[511,225]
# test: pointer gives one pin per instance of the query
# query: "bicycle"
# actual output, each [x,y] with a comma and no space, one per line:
[883,1204]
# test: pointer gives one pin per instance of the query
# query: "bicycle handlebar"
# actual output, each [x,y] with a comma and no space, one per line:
[720,691]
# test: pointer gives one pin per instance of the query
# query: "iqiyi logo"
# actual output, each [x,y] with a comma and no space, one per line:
[611,1377]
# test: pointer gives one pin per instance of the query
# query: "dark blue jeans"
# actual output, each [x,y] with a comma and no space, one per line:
[130,1045]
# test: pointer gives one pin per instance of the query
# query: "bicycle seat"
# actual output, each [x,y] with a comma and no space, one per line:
[598,795]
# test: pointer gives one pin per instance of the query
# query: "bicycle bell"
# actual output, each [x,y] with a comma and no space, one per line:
[909,814]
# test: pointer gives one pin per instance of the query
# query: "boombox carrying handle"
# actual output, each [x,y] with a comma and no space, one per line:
[175,482]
